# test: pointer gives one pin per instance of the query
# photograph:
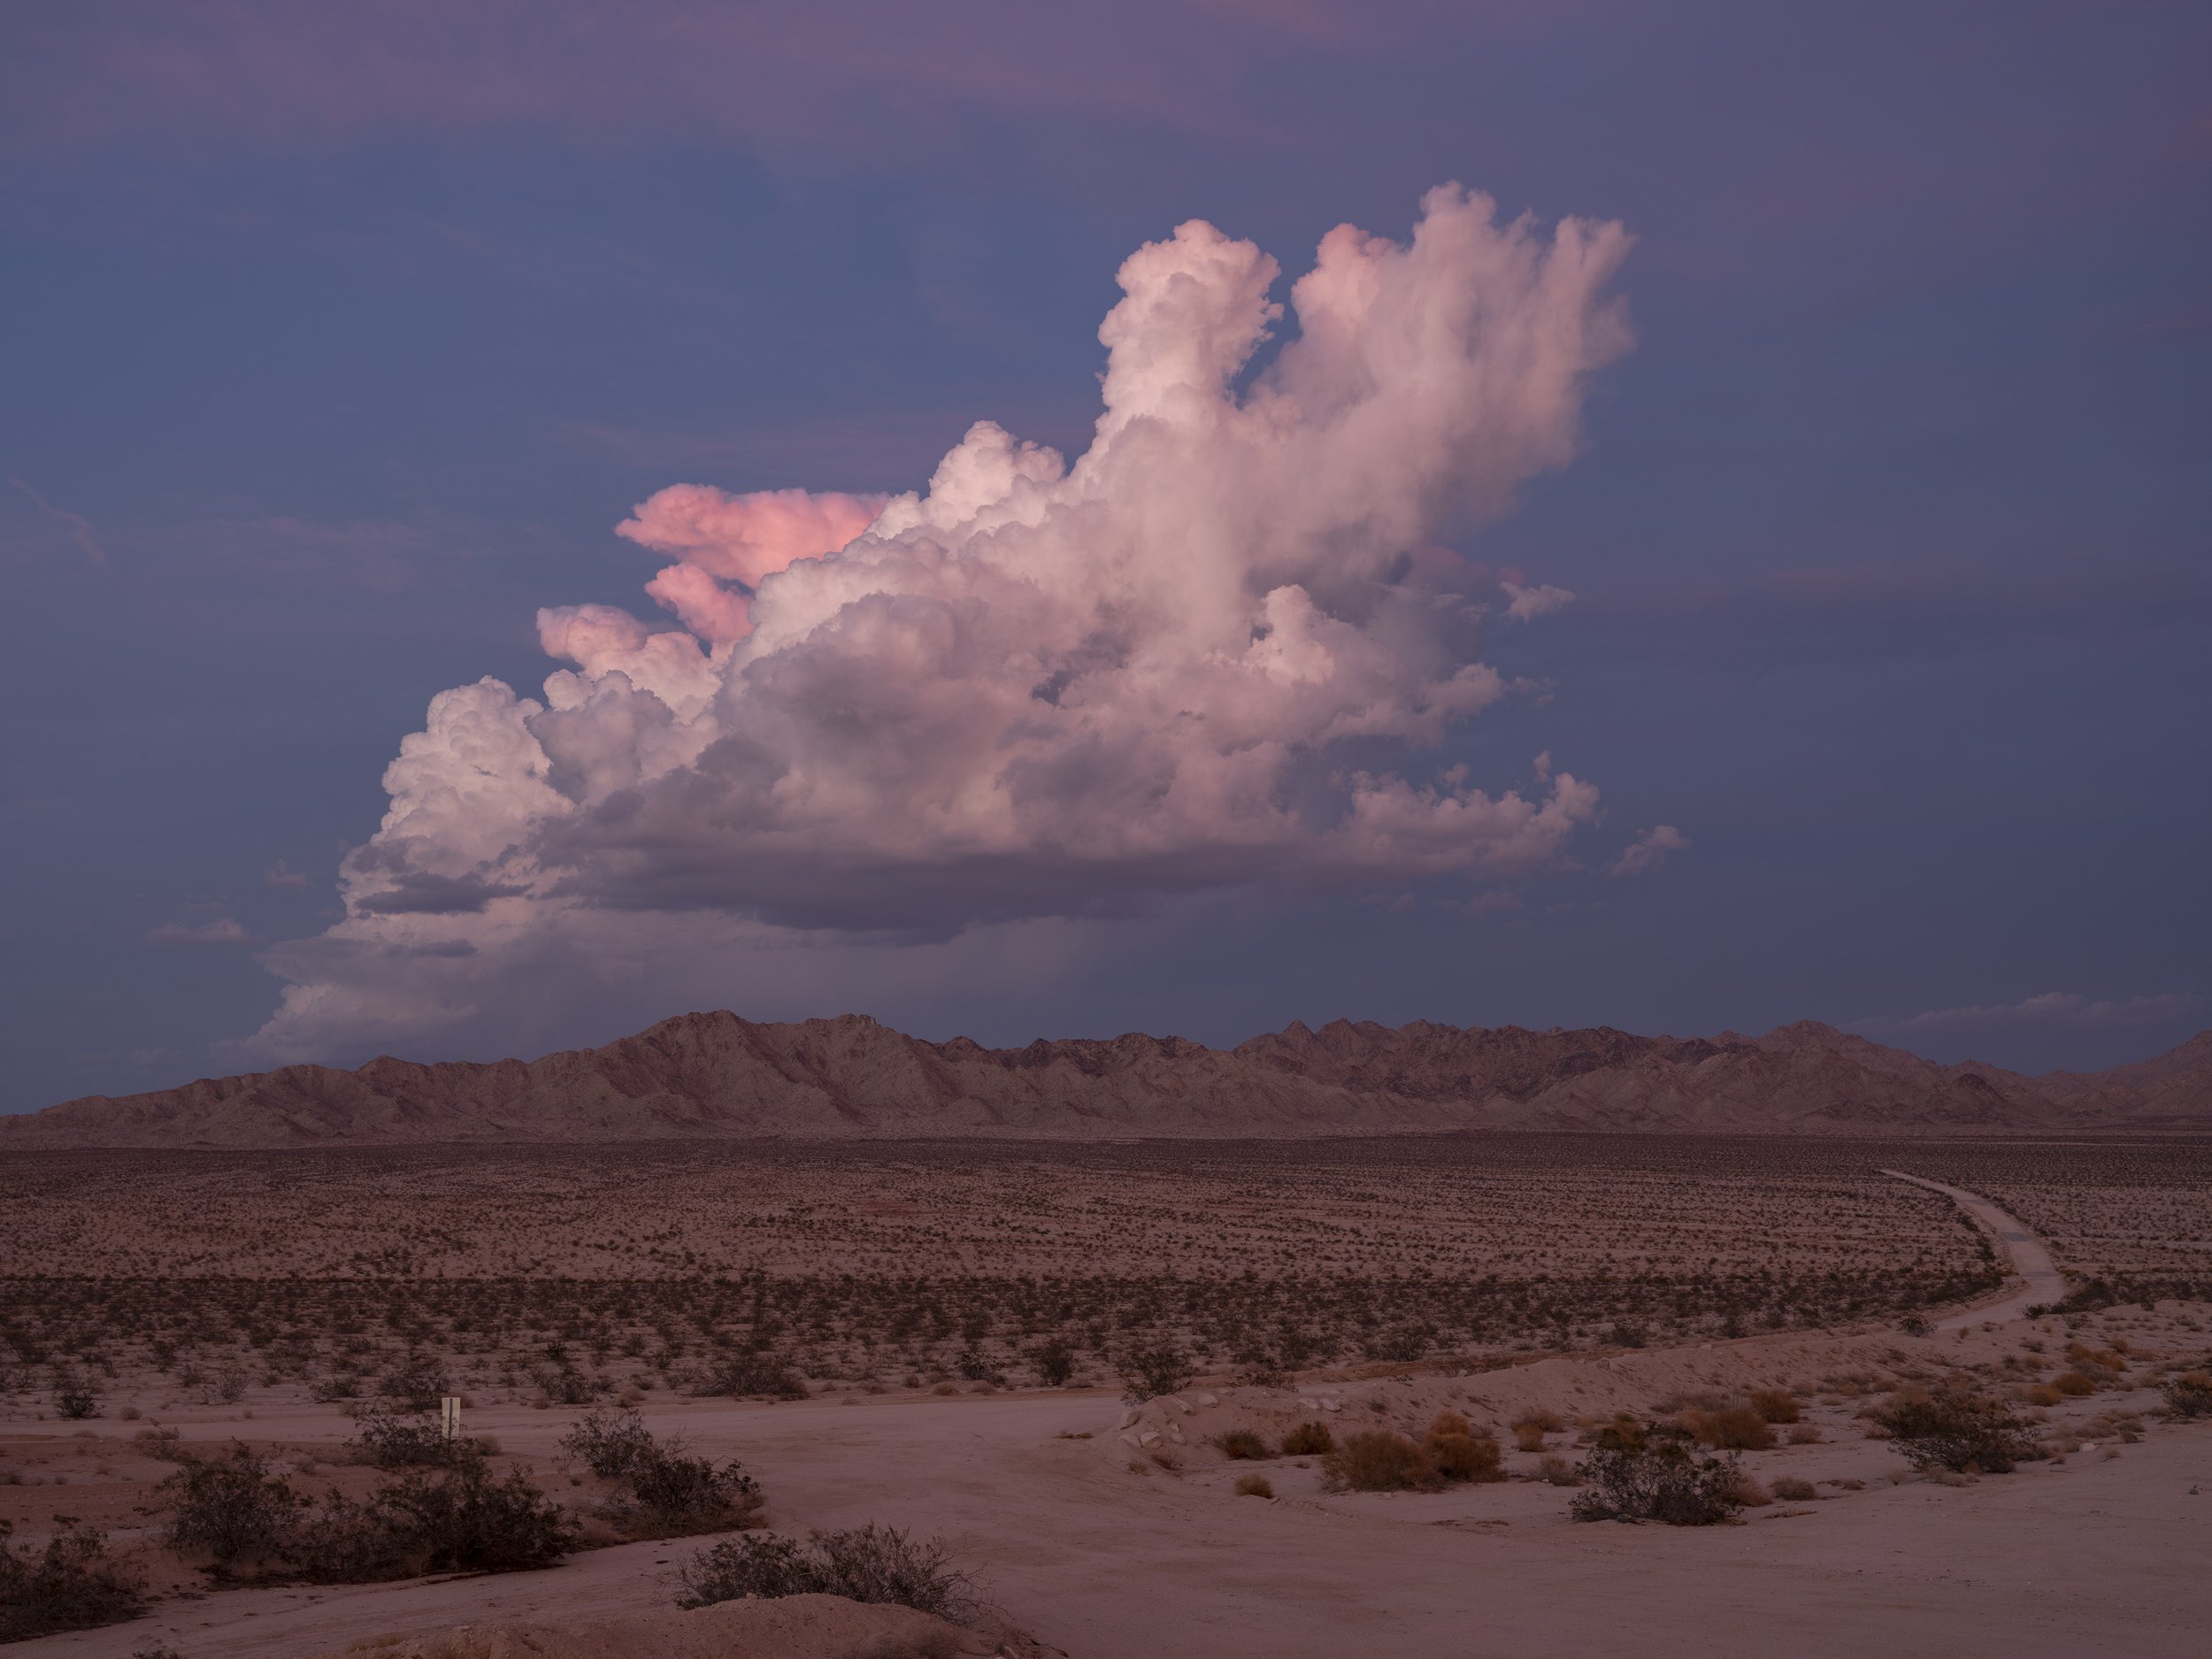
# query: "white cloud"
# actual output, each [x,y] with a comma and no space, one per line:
[1034,690]
[1526,604]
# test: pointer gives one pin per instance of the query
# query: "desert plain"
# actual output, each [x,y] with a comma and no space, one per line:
[947,1338]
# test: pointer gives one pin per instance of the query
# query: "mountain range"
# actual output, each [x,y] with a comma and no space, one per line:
[715,1076]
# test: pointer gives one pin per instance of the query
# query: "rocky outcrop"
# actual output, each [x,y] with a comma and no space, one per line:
[716,1076]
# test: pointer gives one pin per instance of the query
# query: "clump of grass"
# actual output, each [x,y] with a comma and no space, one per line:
[1732,1428]
[870,1564]
[1775,1405]
[1255,1487]
[1555,1471]
[1308,1440]
[1793,1488]
[2074,1384]
[68,1584]
[1242,1443]
[1375,1460]
[1456,1452]
[1803,1434]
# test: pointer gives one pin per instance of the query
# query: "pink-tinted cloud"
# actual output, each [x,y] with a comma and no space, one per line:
[78,527]
[1648,851]
[2058,1008]
[1038,688]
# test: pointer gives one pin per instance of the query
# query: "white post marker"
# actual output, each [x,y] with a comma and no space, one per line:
[450,1417]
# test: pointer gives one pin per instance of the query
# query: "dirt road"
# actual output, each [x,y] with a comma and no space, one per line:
[2030,1257]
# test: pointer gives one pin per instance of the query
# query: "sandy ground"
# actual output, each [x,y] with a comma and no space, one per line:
[1096,1549]
[2038,1281]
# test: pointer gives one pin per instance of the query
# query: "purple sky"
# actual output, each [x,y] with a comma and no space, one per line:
[1870,446]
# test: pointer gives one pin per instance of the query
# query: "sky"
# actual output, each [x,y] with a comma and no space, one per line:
[522,521]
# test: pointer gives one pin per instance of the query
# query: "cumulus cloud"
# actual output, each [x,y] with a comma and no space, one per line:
[1201,654]
[1650,850]
[1526,604]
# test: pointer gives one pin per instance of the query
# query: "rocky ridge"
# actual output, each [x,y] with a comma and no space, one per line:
[717,1076]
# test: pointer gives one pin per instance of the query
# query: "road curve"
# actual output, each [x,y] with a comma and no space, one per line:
[2030,1257]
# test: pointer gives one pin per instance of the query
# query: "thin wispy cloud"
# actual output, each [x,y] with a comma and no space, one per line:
[77,526]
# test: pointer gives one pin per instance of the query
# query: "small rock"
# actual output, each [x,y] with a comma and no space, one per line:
[1151,1437]
[1175,1433]
[1185,1408]
[1208,1400]
[1127,1418]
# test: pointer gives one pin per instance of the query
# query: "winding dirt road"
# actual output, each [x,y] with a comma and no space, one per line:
[2030,1257]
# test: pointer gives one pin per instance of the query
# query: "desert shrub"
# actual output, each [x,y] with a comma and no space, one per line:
[461,1520]
[607,1442]
[384,1440]
[760,1372]
[75,1397]
[1308,1440]
[1637,1473]
[166,1444]
[1149,1373]
[1915,1324]
[1242,1443]
[870,1564]
[663,1488]
[417,1382]
[1803,1434]
[1557,1472]
[1731,1429]
[1375,1460]
[1956,1431]
[1455,1452]
[67,1584]
[1793,1488]
[1747,1491]
[1527,1437]
[1775,1405]
[1055,1362]
[231,1509]
[2075,1383]
[1255,1487]
[1543,1419]
[2188,1396]
[2043,1394]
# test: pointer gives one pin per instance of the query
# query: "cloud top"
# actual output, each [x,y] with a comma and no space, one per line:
[1199,655]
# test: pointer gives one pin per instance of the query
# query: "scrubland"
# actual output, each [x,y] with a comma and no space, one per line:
[1024,1377]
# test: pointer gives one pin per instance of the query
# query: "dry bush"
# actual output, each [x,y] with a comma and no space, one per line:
[1375,1460]
[1456,1452]
[2074,1384]
[1651,1473]
[2188,1396]
[1793,1488]
[1957,1431]
[1543,1419]
[68,1584]
[2043,1394]
[1308,1440]
[1775,1405]
[1242,1443]
[1255,1487]
[1803,1434]
[870,1563]
[1555,1471]
[1747,1491]
[1733,1429]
